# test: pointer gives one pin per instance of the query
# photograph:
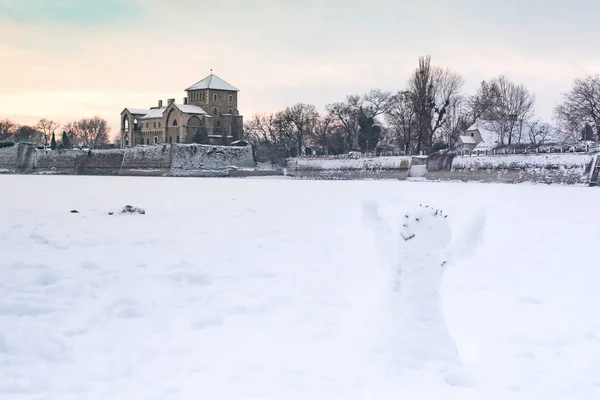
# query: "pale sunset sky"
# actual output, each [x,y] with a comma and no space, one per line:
[68,59]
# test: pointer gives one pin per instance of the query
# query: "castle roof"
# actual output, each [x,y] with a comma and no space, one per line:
[190,109]
[137,111]
[212,82]
[155,113]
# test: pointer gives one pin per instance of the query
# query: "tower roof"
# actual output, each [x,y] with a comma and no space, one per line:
[212,82]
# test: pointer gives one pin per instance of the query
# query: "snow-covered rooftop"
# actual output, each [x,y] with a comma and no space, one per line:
[190,109]
[490,138]
[212,82]
[138,111]
[467,139]
[155,113]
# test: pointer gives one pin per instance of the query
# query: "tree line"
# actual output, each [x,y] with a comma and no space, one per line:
[429,114]
[84,133]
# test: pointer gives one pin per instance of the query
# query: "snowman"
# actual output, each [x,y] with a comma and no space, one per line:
[408,320]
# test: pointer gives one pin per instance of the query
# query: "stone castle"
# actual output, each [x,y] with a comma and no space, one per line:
[208,115]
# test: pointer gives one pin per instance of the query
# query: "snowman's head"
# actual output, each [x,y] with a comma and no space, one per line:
[423,231]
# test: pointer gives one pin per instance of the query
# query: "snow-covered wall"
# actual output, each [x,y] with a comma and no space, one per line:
[563,161]
[19,157]
[159,160]
[100,162]
[9,157]
[571,169]
[343,167]
[327,164]
[63,161]
[200,160]
[147,160]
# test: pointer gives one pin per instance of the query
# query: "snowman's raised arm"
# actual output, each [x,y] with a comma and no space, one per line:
[381,230]
[470,239]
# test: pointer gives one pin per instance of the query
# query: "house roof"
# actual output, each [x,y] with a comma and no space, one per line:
[467,139]
[212,82]
[490,138]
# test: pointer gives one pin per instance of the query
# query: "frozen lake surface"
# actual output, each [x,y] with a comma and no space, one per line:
[272,289]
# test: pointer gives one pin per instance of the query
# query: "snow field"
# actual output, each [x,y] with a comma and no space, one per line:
[270,289]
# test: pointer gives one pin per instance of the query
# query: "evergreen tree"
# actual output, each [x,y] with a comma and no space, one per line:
[53,142]
[368,134]
[201,137]
[65,140]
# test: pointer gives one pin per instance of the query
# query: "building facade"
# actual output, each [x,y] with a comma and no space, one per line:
[209,114]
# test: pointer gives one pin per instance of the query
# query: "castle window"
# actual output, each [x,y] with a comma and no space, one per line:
[219,124]
[159,124]
[174,122]
[230,111]
[215,97]
[170,139]
[147,140]
[202,96]
[177,139]
[230,99]
[154,124]
[155,140]
[146,125]
[215,111]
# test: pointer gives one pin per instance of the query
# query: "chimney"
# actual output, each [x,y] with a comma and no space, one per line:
[170,101]
[160,104]
[185,100]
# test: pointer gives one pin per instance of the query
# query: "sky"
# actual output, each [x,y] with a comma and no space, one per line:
[69,59]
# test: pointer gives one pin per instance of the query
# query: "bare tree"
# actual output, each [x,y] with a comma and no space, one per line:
[538,132]
[581,106]
[88,132]
[345,114]
[433,90]
[401,120]
[326,134]
[358,117]
[302,118]
[47,128]
[272,135]
[7,129]
[27,133]
[509,108]
[95,132]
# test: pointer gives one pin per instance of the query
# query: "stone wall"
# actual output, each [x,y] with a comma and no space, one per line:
[349,168]
[160,160]
[100,162]
[147,160]
[59,161]
[569,169]
[198,160]
[564,177]
[9,158]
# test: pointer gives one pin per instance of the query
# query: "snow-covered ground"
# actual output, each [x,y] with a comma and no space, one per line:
[282,289]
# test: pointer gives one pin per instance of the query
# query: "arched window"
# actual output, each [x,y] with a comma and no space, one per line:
[230,111]
[155,140]
[174,122]
[148,141]
[170,139]
[215,111]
